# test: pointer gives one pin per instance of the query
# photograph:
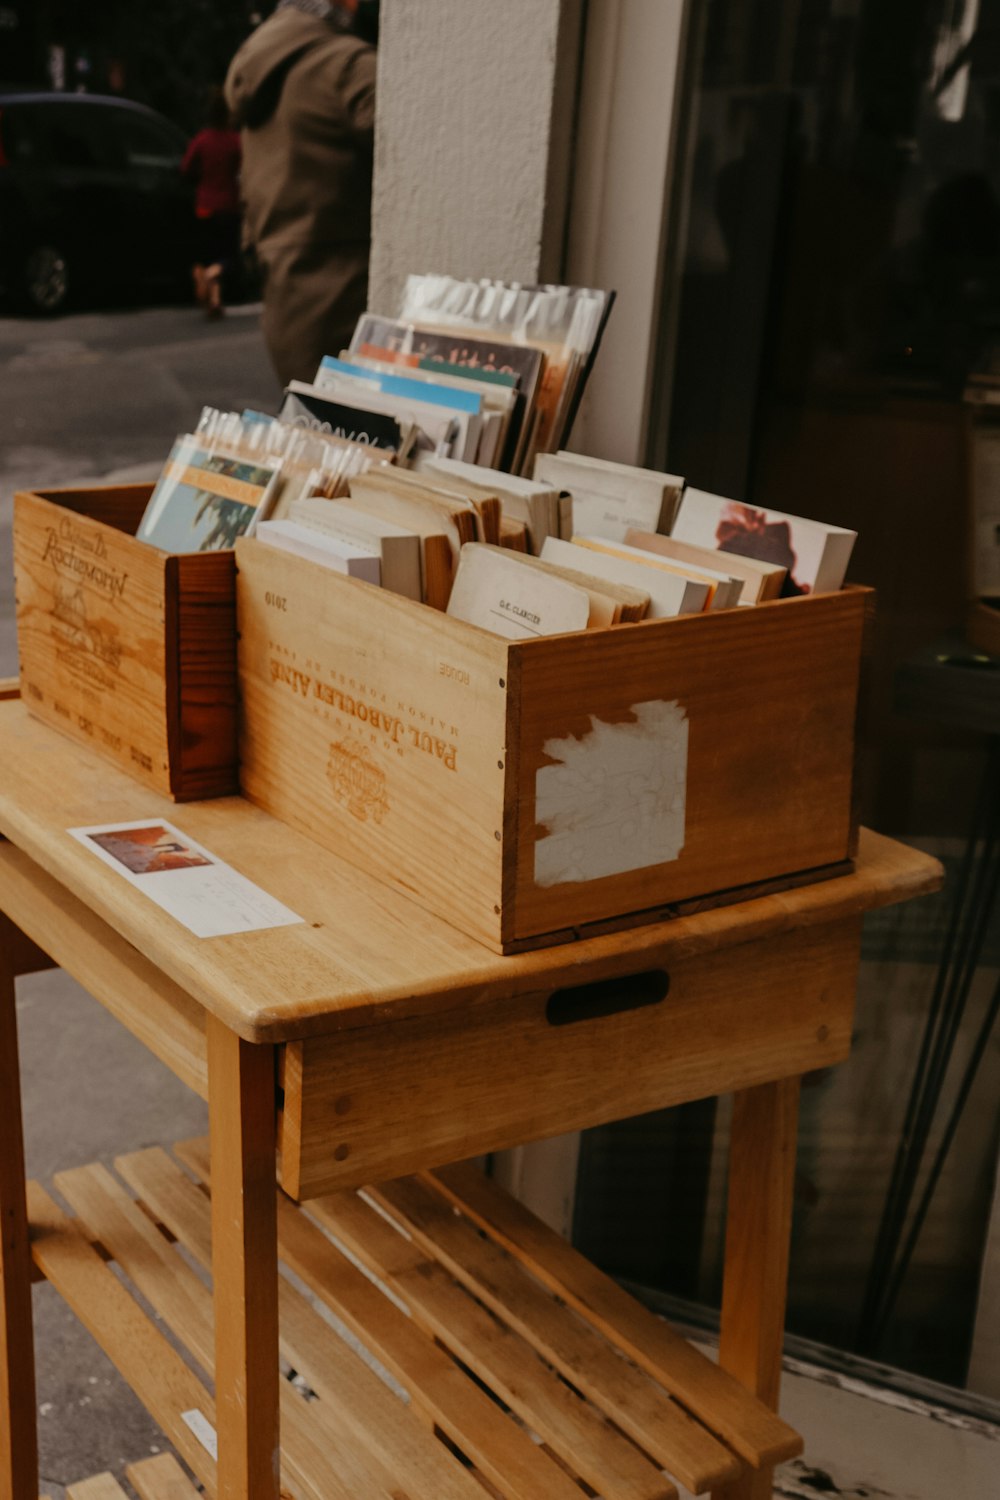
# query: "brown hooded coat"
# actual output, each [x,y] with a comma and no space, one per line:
[304,94]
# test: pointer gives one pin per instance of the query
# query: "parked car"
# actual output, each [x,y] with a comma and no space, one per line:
[91,198]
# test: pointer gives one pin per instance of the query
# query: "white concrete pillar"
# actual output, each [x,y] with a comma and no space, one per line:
[619,228]
[474,130]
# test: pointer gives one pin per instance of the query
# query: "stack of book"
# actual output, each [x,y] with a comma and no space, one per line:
[487,373]
[222,479]
[405,463]
[586,544]
[506,554]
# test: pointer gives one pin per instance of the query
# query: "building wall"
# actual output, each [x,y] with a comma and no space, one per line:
[619,230]
[535,140]
[474,133]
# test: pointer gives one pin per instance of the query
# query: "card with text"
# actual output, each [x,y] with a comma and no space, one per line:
[184,879]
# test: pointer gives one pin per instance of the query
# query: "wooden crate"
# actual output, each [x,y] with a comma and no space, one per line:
[527,791]
[127,648]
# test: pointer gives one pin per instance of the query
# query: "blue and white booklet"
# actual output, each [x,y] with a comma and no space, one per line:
[204,500]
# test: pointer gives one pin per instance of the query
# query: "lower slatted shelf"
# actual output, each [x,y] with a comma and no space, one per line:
[464,1346]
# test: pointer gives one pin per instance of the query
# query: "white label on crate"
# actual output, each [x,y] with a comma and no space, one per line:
[185,879]
[203,1431]
[616,800]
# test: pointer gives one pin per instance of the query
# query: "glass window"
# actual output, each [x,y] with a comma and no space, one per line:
[831,348]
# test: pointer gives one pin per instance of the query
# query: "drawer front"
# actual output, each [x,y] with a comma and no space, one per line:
[386,1100]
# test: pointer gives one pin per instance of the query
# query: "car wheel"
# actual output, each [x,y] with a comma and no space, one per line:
[46,280]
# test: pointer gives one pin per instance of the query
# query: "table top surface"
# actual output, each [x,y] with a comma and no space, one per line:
[363,953]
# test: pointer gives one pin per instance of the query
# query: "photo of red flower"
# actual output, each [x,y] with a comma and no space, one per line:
[748,533]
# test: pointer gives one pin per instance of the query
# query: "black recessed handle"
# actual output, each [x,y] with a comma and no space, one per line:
[606,997]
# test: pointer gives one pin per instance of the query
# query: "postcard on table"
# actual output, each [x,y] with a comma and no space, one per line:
[185,879]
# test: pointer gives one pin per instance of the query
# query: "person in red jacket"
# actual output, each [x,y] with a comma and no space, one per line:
[212,162]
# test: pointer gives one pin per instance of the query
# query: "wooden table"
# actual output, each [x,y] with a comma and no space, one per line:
[374,1041]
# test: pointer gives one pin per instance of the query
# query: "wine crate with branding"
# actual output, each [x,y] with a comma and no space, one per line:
[129,649]
[531,791]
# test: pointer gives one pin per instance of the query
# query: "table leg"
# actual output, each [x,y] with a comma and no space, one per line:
[758,1232]
[18,1432]
[241,1105]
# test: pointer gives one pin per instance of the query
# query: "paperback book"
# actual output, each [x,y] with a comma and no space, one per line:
[204,500]
[306,407]
[494,590]
[814,555]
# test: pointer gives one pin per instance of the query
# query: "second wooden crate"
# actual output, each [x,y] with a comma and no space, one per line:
[528,790]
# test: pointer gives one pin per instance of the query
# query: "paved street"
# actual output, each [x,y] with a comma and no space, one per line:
[91,394]
[81,397]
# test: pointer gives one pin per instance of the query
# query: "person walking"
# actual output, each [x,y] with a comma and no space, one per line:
[212,163]
[302,87]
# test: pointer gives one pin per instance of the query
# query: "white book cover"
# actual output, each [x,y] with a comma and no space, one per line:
[726,589]
[527,500]
[455,432]
[669,593]
[315,546]
[405,509]
[627,472]
[399,549]
[610,499]
[816,555]
[496,591]
[761,580]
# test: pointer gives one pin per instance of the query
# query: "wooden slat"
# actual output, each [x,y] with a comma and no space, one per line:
[401,1450]
[714,1396]
[574,1430]
[179,1296]
[150,1365]
[626,1394]
[499,1448]
[160,1478]
[355,1407]
[101,1487]
[576,1433]
[18,1432]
